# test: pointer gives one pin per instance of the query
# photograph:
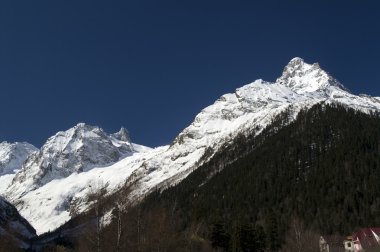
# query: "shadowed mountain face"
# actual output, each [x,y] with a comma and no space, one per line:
[13,228]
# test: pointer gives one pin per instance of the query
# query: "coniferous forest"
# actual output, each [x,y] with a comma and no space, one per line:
[275,191]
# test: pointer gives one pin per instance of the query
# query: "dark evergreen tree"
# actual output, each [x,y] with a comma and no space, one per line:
[248,238]
[219,236]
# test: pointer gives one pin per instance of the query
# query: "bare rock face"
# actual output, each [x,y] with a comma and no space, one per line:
[122,135]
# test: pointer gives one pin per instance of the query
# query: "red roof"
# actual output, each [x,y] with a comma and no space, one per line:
[368,237]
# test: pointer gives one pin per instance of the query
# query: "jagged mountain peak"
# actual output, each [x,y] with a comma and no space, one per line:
[75,150]
[86,127]
[80,132]
[84,134]
[80,125]
[85,138]
[297,61]
[302,77]
[122,135]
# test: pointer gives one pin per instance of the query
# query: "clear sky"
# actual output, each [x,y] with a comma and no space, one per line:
[151,66]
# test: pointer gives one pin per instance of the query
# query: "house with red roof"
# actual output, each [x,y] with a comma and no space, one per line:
[363,240]
[366,239]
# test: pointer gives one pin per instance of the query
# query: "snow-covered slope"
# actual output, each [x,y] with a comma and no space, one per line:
[13,226]
[13,155]
[52,204]
[50,179]
[251,107]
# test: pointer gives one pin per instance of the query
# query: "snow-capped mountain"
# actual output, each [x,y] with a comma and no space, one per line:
[305,78]
[13,155]
[47,187]
[76,150]
[13,226]
[68,155]
[251,107]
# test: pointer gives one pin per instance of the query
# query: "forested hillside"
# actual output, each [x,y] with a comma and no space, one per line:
[323,168]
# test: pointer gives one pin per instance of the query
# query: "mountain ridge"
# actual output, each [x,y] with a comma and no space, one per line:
[78,149]
[250,108]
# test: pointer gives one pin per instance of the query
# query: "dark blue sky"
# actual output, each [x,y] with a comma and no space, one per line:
[153,65]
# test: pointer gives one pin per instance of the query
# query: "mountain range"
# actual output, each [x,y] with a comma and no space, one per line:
[51,185]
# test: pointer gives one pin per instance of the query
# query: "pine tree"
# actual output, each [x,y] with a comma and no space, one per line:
[219,237]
